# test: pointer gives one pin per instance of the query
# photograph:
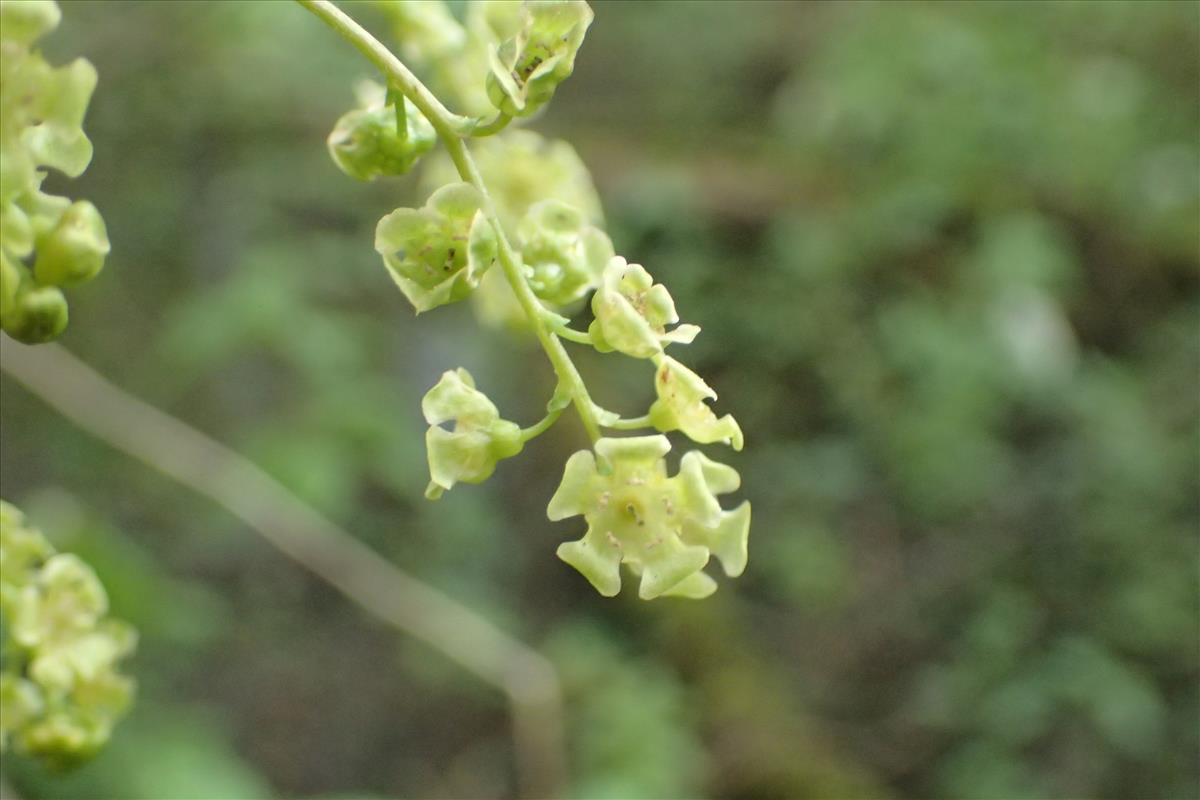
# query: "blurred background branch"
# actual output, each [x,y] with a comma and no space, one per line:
[390,595]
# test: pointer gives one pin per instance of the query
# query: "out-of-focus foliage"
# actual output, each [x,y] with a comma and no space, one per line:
[945,259]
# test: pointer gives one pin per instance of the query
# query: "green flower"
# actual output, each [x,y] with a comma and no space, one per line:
[437,254]
[632,312]
[527,68]
[371,141]
[468,452]
[664,528]
[681,406]
[564,256]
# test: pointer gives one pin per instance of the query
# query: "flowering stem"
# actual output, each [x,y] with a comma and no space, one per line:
[451,129]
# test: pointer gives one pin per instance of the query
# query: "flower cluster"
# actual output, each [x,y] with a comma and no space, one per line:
[529,209]
[47,243]
[60,693]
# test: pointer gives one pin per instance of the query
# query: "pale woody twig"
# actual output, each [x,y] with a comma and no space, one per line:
[126,423]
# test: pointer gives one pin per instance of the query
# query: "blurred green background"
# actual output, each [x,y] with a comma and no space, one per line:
[945,259]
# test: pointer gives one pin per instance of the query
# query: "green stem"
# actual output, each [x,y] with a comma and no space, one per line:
[572,335]
[449,127]
[631,424]
[480,128]
[540,427]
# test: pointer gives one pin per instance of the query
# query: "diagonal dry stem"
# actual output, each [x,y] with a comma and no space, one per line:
[396,598]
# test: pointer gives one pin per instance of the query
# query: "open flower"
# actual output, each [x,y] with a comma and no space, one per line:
[528,67]
[664,528]
[564,254]
[436,254]
[682,406]
[632,313]
[479,439]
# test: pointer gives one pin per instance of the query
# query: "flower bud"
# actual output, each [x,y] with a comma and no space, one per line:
[369,142]
[632,312]
[527,68]
[73,251]
[681,406]
[565,256]
[437,254]
[479,438]
[663,528]
[39,315]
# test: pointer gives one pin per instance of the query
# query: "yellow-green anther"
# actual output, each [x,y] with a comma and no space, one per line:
[368,142]
[73,251]
[468,451]
[663,528]
[564,255]
[437,254]
[527,67]
[632,312]
[682,406]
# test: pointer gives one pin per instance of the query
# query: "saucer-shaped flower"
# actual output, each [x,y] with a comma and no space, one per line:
[664,528]
[528,67]
[682,406]
[469,451]
[564,255]
[632,312]
[371,141]
[436,254]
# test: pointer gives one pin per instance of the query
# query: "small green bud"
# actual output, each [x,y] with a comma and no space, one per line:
[527,68]
[39,315]
[74,250]
[564,255]
[468,452]
[663,528]
[437,254]
[681,406]
[632,312]
[370,142]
